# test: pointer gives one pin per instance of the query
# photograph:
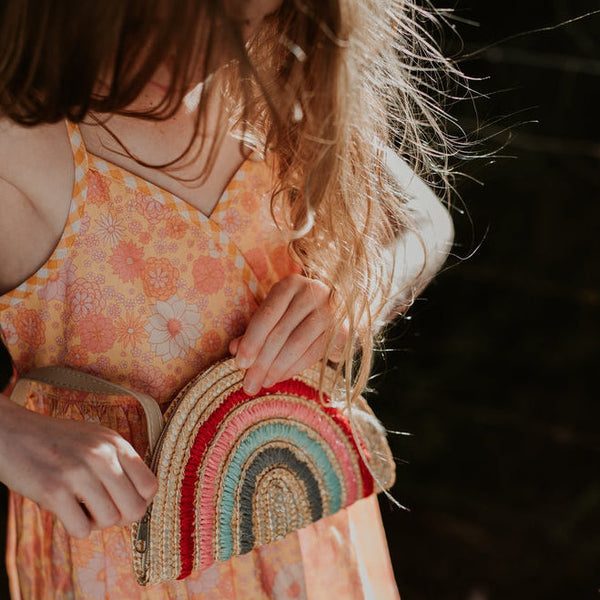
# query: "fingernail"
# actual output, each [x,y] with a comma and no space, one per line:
[267,383]
[250,388]
[242,362]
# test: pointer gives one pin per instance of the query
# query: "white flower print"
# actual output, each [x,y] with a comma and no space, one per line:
[110,230]
[173,327]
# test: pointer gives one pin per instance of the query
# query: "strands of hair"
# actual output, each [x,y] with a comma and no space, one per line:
[392,84]
[325,88]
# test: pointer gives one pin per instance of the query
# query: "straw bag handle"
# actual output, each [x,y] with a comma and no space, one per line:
[71,379]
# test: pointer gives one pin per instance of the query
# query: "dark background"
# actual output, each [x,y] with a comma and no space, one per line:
[494,375]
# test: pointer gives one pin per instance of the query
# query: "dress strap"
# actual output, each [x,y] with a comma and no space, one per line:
[80,160]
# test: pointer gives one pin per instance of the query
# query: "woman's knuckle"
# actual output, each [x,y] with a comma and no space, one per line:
[277,338]
[246,348]
[125,449]
[335,354]
[292,282]
[279,287]
[135,511]
[259,367]
[101,452]
[149,487]
[50,493]
[342,338]
[269,311]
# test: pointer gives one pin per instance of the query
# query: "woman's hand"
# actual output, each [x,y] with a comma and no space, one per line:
[86,474]
[287,333]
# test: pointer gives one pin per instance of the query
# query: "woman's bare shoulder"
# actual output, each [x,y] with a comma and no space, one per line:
[34,158]
[36,180]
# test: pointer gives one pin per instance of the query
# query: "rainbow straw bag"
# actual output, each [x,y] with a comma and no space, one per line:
[238,471]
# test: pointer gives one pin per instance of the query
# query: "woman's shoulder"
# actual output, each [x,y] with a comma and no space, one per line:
[425,209]
[36,181]
[32,159]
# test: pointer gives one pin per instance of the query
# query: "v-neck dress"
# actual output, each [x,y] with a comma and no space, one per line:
[144,290]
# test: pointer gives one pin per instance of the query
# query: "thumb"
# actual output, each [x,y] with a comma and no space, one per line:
[233,345]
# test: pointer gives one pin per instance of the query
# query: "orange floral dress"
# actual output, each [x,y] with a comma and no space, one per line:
[145,291]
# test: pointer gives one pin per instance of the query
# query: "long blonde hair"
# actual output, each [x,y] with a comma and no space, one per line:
[339,83]
[325,86]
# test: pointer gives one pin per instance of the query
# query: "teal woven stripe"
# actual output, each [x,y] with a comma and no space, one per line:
[233,477]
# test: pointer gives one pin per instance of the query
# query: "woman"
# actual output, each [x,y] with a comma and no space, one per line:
[179,181]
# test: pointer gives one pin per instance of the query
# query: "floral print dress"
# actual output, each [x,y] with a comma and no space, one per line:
[145,291]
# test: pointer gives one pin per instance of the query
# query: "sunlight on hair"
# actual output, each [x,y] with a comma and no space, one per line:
[294,48]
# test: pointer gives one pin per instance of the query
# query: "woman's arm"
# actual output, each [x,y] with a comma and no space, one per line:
[418,252]
[36,183]
[288,332]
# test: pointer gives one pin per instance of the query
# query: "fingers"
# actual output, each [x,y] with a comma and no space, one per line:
[140,475]
[129,485]
[114,490]
[264,320]
[281,346]
[287,365]
[81,503]
[276,359]
[74,517]
[102,512]
[271,329]
[136,488]
[305,352]
[109,485]
[287,333]
[233,345]
[86,474]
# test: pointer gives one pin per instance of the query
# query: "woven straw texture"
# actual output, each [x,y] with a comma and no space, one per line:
[238,471]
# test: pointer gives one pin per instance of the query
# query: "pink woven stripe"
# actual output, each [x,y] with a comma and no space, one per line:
[203,440]
[240,423]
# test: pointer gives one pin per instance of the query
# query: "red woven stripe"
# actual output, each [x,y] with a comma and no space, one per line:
[342,421]
[202,442]
[299,388]
[190,478]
